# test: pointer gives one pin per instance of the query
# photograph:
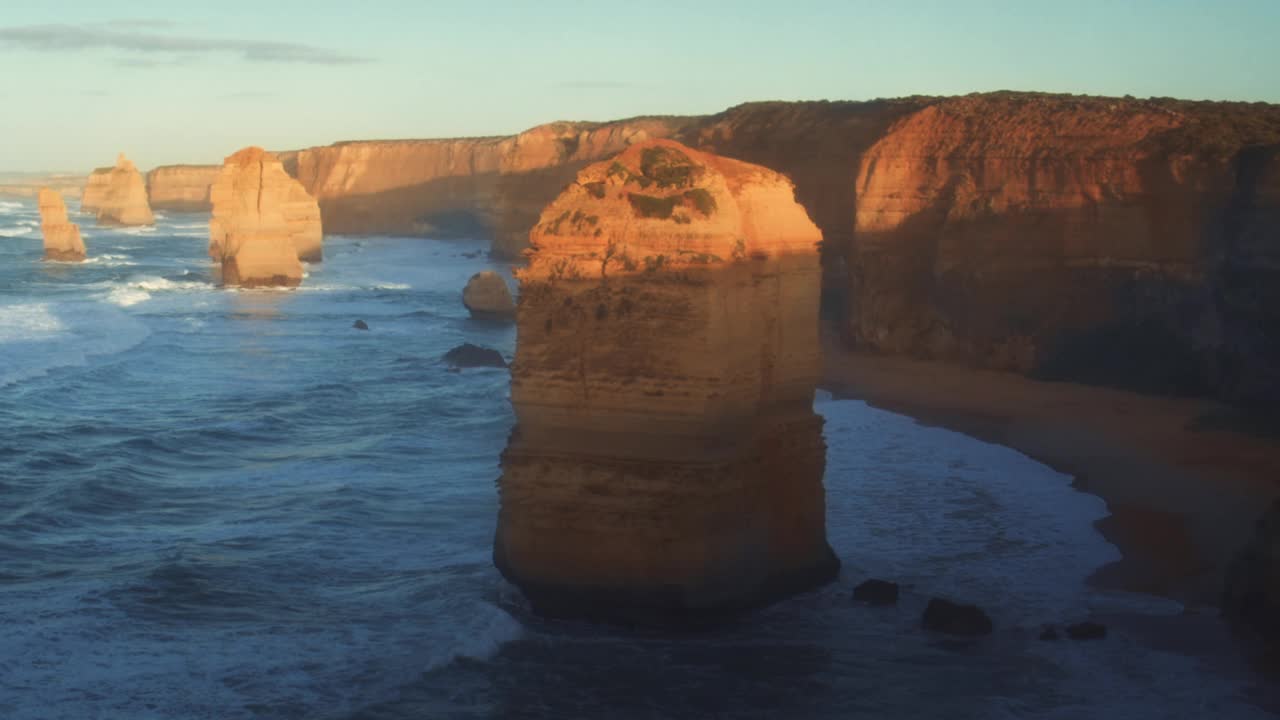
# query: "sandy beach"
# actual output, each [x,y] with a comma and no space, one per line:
[1183,492]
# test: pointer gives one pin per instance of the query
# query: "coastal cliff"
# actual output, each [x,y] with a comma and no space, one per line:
[254,232]
[181,188]
[62,240]
[1113,241]
[666,460]
[117,195]
[468,187]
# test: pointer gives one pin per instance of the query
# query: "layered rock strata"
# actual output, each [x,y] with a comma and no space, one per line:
[487,297]
[1115,241]
[181,188]
[667,462]
[253,234]
[117,195]
[61,238]
[469,187]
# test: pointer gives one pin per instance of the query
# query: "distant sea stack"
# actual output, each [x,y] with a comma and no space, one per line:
[258,230]
[61,238]
[181,188]
[466,187]
[667,463]
[117,195]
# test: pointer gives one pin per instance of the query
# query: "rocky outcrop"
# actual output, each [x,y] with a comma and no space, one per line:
[250,233]
[117,195]
[181,188]
[1252,593]
[468,187]
[468,355]
[952,618]
[666,462]
[1114,241]
[487,297]
[61,238]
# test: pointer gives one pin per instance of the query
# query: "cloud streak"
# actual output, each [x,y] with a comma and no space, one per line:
[124,36]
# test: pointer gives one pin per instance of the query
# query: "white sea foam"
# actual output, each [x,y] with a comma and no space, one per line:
[38,337]
[14,229]
[109,260]
[140,288]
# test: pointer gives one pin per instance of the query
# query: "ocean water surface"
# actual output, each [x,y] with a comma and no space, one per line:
[231,504]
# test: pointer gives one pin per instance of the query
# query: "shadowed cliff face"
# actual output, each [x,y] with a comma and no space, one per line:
[458,188]
[181,188]
[667,461]
[1119,242]
[819,147]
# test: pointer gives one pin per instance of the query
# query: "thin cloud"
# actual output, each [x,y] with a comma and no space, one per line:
[598,85]
[69,38]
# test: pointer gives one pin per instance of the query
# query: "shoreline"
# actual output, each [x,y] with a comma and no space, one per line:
[1181,498]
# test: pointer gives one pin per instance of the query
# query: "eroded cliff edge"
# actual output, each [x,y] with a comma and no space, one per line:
[666,462]
[182,188]
[1123,242]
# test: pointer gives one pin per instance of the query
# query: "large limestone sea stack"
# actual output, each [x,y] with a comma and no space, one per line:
[667,462]
[263,222]
[61,238]
[117,195]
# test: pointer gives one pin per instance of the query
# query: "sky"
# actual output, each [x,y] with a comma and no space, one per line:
[173,82]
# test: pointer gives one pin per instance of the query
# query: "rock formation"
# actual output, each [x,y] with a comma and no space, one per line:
[469,187]
[1251,595]
[666,462]
[253,233]
[61,238]
[181,188]
[1062,236]
[488,298]
[117,195]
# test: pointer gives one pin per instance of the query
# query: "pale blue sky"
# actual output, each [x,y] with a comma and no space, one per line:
[175,82]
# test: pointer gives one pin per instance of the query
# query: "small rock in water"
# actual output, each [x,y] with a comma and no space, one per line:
[360,325]
[953,618]
[468,355]
[877,592]
[1087,631]
[1049,632]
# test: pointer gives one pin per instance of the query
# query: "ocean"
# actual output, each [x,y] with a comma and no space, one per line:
[232,504]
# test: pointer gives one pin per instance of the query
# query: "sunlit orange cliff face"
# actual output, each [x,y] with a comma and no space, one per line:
[667,461]
[263,222]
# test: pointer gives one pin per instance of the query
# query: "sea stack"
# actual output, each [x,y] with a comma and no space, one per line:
[487,297]
[61,238]
[117,195]
[667,463]
[258,227]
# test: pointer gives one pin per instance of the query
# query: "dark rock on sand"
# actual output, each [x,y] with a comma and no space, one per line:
[1251,596]
[876,592]
[1087,631]
[953,618]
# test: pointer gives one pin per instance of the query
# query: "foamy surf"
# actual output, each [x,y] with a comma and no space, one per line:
[38,337]
[140,289]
